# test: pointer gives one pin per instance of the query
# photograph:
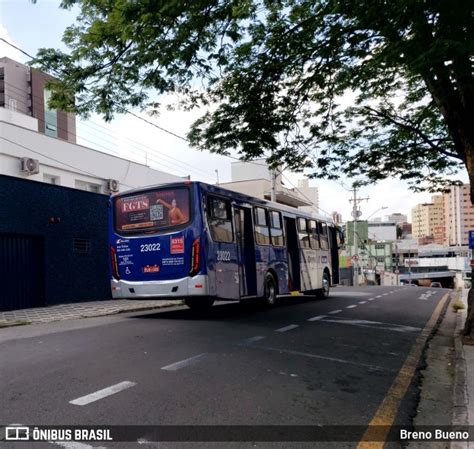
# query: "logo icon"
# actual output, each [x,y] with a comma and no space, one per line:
[17,433]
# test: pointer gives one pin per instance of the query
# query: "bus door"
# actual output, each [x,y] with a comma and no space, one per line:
[334,245]
[245,251]
[292,247]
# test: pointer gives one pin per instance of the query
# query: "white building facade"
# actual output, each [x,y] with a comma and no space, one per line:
[29,154]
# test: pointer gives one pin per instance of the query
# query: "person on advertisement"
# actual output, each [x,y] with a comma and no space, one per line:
[175,215]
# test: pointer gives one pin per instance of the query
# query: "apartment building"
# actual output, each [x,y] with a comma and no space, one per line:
[459,214]
[23,90]
[396,217]
[428,220]
[257,179]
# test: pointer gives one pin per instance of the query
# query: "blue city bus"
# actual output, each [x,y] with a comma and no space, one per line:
[202,243]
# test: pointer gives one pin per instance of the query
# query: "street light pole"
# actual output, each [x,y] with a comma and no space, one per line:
[355,264]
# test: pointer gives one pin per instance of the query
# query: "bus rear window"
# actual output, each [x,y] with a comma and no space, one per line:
[152,210]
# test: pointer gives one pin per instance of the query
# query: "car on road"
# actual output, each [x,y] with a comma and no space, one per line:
[436,285]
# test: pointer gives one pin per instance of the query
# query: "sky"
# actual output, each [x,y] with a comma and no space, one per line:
[32,26]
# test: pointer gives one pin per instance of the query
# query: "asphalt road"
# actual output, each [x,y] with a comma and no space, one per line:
[305,362]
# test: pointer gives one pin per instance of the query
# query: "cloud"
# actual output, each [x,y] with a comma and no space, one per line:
[7,50]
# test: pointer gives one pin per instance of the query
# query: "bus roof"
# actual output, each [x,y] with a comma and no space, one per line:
[233,194]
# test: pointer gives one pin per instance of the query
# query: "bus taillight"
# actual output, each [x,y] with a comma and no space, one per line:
[113,258]
[195,256]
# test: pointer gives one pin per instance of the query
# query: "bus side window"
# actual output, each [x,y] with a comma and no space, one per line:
[262,234]
[324,236]
[303,233]
[276,229]
[314,234]
[219,217]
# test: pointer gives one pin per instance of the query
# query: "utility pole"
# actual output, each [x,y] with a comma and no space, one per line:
[217,175]
[356,214]
[273,188]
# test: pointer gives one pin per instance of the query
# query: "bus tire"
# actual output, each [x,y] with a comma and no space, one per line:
[270,290]
[323,293]
[199,304]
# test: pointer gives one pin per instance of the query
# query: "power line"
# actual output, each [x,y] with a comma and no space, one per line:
[316,208]
[144,153]
[57,160]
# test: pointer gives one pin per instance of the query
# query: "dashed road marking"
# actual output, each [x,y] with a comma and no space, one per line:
[252,339]
[371,299]
[333,312]
[316,318]
[351,306]
[362,302]
[183,363]
[101,394]
[379,296]
[287,328]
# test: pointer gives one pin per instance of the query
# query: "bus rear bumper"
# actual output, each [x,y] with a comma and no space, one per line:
[176,288]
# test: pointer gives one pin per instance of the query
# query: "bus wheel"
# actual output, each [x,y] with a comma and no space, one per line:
[199,304]
[323,293]
[270,290]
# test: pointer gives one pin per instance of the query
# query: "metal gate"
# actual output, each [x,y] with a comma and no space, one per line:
[21,272]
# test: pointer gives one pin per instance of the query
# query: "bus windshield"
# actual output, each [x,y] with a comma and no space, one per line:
[152,210]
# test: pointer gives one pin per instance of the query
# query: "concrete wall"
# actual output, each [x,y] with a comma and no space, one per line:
[16,78]
[382,231]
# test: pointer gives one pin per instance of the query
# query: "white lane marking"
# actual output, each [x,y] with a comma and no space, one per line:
[101,394]
[374,324]
[74,445]
[316,318]
[316,356]
[183,363]
[379,296]
[362,302]
[252,339]
[335,311]
[349,293]
[371,299]
[352,306]
[391,291]
[385,294]
[287,328]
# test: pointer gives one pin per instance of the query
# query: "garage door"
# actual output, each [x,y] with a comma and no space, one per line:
[21,272]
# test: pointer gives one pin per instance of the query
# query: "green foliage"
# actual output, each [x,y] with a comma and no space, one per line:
[342,88]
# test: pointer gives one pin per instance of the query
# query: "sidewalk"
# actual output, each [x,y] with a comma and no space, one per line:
[79,310]
[463,395]
[446,380]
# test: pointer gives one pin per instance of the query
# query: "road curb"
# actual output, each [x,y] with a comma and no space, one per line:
[460,394]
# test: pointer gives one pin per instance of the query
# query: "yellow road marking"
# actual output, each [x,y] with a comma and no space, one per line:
[388,409]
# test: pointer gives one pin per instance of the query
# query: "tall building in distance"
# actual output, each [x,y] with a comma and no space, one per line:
[397,218]
[23,90]
[459,214]
[336,218]
[428,223]
[309,193]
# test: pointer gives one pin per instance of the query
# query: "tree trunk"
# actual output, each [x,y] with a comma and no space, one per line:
[469,324]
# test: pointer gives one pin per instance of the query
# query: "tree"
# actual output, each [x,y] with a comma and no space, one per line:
[341,88]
